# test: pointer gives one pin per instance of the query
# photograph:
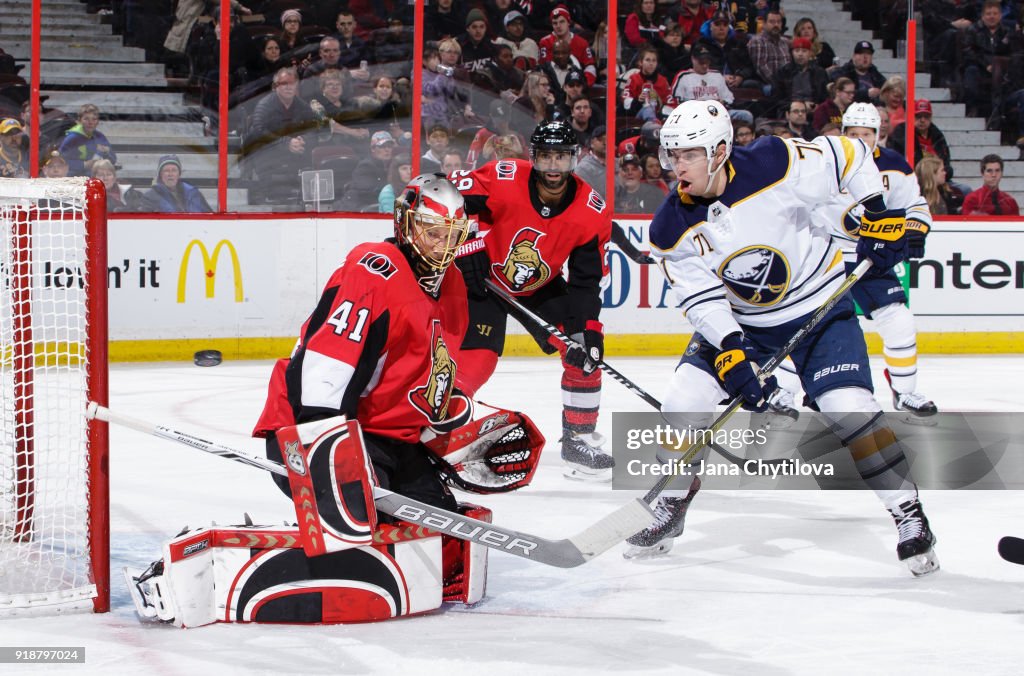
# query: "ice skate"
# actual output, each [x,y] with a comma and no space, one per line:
[584,459]
[144,592]
[916,540]
[670,517]
[918,408]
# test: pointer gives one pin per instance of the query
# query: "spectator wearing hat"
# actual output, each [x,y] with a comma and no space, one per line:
[646,94]
[525,51]
[84,143]
[700,83]
[477,48]
[55,166]
[578,47]
[12,161]
[170,194]
[800,80]
[591,166]
[633,195]
[291,24]
[989,200]
[928,139]
[562,63]
[645,143]
[691,15]
[443,19]
[275,147]
[865,75]
[769,50]
[821,51]
[729,55]
[370,175]
[574,87]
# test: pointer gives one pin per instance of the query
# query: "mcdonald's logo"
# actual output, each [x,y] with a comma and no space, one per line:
[210,268]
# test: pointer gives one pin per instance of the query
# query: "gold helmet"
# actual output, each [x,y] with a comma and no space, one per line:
[430,225]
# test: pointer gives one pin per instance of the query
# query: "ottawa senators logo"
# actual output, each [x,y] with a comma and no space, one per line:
[432,398]
[523,269]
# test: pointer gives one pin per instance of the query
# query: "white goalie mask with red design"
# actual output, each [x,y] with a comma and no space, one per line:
[430,224]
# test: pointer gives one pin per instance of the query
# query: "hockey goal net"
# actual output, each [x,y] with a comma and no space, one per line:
[54,532]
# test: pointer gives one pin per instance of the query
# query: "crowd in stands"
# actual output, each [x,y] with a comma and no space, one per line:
[327,84]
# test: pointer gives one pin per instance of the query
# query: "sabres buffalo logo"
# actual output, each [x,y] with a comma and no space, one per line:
[757,274]
[523,269]
[433,397]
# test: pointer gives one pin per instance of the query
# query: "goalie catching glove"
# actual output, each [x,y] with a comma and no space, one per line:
[738,374]
[495,454]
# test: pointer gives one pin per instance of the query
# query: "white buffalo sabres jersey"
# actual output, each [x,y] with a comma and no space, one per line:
[842,214]
[754,256]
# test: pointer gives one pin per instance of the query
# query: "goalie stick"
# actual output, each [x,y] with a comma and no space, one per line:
[524,311]
[565,553]
[1012,549]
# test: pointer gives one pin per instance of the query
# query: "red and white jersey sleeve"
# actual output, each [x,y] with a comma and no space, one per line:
[375,348]
[578,47]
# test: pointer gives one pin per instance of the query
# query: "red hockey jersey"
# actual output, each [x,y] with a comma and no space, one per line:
[377,348]
[528,242]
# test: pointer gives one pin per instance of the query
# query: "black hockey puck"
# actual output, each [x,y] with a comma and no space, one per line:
[207,357]
[1012,549]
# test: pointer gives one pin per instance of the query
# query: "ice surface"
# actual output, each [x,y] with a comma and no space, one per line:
[761,583]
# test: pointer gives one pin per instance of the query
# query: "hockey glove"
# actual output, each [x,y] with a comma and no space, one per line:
[882,238]
[475,264]
[587,349]
[738,373]
[916,233]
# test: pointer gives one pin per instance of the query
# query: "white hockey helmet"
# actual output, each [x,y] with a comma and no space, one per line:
[430,225]
[862,115]
[696,124]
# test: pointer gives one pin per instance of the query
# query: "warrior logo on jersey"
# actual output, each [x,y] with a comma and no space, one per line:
[757,274]
[523,269]
[433,397]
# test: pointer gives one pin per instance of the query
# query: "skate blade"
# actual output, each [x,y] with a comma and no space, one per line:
[636,552]
[923,564]
[914,419]
[145,609]
[594,476]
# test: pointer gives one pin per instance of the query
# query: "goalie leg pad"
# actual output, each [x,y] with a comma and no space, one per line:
[331,480]
[261,574]
[465,563]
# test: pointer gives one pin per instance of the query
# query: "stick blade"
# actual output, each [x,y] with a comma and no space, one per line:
[627,520]
[1012,549]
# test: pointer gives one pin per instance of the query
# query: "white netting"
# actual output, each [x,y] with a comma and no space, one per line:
[44,444]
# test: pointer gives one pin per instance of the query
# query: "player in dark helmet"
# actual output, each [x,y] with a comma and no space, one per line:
[537,216]
[554,150]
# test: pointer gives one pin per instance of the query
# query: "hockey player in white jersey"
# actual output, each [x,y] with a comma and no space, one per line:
[881,296]
[738,245]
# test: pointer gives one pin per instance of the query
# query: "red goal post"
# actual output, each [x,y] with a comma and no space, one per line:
[54,471]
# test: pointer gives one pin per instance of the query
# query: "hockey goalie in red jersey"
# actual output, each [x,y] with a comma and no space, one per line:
[367,399]
[534,218]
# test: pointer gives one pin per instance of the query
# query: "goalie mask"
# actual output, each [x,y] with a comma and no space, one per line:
[554,149]
[430,224]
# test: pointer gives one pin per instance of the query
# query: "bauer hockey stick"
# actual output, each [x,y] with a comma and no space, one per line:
[565,553]
[766,371]
[553,330]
